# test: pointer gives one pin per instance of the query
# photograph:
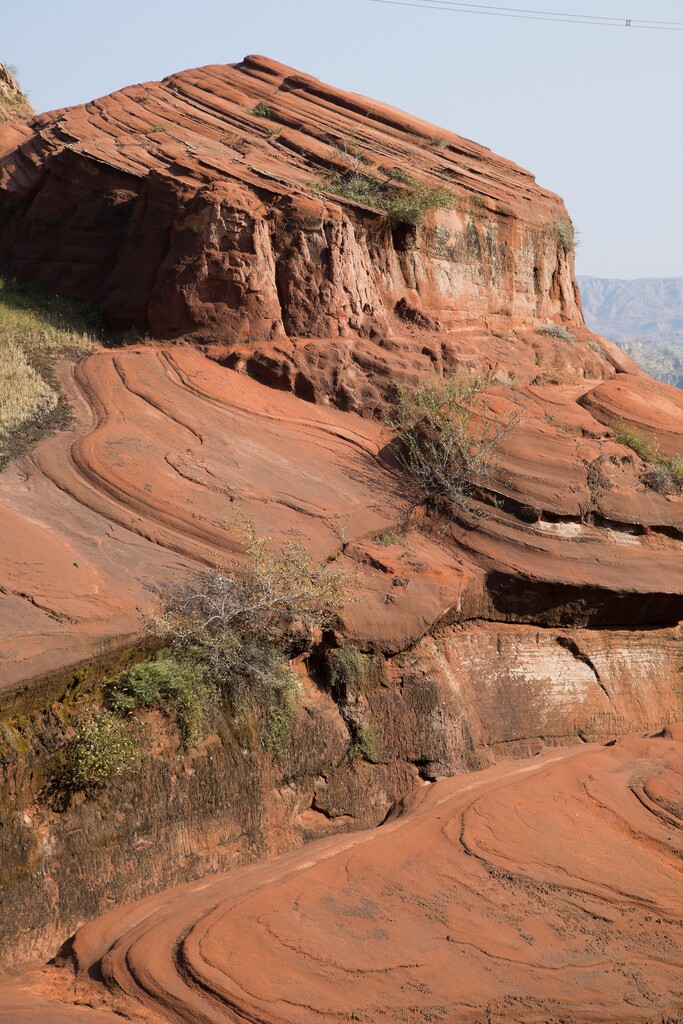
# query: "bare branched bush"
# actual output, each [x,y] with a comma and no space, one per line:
[242,621]
[447,440]
[665,475]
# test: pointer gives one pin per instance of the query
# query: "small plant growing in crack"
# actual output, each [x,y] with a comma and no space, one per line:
[262,109]
[364,744]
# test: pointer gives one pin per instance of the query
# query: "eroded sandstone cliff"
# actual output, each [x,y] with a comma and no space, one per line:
[548,614]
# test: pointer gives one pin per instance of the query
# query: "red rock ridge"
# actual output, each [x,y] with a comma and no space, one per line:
[177,209]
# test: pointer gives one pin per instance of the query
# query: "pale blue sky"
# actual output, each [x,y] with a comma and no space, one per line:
[594,113]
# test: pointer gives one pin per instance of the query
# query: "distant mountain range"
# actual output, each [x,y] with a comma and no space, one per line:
[643,316]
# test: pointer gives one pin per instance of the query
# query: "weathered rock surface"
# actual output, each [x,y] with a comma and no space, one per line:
[550,618]
[209,215]
[542,891]
[488,639]
[176,448]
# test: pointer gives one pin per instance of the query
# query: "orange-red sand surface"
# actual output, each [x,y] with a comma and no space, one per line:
[545,891]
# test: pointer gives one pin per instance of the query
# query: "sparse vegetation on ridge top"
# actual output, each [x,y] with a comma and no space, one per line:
[556,331]
[404,199]
[14,103]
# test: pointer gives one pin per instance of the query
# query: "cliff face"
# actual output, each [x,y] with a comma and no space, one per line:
[178,209]
[195,209]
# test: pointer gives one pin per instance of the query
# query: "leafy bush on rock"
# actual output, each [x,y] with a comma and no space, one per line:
[103,748]
[163,681]
[405,200]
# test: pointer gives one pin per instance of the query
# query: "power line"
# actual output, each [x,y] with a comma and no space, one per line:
[559,14]
[522,14]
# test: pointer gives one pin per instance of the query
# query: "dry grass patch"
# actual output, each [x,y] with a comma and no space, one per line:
[14,103]
[36,328]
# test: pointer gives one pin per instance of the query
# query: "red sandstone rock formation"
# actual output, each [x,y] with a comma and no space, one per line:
[538,892]
[210,216]
[551,617]
[171,446]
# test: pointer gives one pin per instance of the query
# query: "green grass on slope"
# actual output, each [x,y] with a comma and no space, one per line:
[36,328]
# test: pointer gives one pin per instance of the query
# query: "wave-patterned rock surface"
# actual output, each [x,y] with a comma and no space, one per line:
[547,614]
[544,891]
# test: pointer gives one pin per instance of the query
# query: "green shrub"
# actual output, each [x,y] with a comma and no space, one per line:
[103,748]
[397,174]
[347,669]
[261,109]
[388,539]
[675,467]
[446,439]
[556,331]
[566,236]
[642,444]
[666,475]
[278,711]
[176,686]
[406,203]
[364,744]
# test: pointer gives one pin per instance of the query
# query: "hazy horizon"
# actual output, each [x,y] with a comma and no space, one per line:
[591,111]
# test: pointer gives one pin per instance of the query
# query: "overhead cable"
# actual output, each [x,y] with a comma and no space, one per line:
[524,14]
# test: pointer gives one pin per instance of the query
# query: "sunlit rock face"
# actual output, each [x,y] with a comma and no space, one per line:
[539,891]
[282,317]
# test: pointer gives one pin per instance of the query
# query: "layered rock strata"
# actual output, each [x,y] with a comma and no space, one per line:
[547,614]
[537,892]
[177,207]
[484,638]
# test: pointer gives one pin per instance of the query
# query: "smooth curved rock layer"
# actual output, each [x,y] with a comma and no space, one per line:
[172,450]
[536,892]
